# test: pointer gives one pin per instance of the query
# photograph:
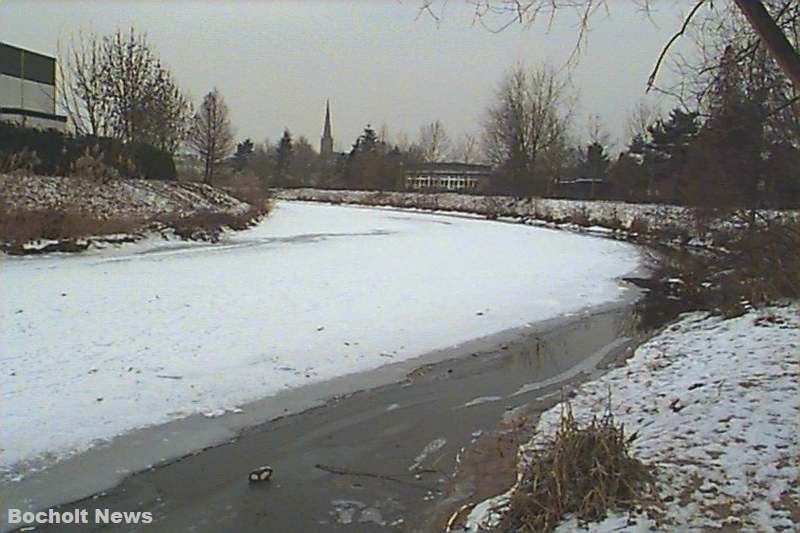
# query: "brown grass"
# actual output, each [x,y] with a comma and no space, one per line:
[639,225]
[70,223]
[583,470]
[579,217]
[612,221]
[758,266]
[209,225]
[18,226]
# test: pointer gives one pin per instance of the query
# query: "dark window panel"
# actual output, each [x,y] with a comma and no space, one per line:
[26,64]
[10,61]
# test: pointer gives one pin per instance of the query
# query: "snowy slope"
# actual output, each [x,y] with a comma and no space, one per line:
[113,340]
[116,198]
[716,406]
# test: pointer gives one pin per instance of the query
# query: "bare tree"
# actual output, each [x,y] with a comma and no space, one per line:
[81,72]
[726,43]
[773,37]
[402,141]
[116,86]
[145,103]
[211,136]
[642,116]
[761,15]
[383,133]
[434,141]
[526,128]
[467,149]
[597,131]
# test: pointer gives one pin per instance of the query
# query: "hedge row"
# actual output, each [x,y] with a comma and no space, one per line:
[56,153]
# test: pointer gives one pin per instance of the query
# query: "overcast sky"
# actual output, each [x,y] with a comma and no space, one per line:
[277,62]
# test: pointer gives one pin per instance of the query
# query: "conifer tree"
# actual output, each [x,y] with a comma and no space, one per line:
[283,157]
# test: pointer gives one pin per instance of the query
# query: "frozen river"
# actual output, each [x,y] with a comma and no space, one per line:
[96,345]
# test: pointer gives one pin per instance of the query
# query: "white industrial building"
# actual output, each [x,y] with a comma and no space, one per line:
[448,177]
[28,90]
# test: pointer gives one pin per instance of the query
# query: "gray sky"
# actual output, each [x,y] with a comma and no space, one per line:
[277,62]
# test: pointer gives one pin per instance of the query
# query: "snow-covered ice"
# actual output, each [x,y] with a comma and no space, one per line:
[102,343]
[716,407]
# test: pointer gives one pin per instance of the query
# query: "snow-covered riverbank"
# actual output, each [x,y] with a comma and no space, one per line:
[716,407]
[123,338]
[628,219]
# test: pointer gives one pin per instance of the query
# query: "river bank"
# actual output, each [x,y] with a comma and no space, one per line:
[710,405]
[57,214]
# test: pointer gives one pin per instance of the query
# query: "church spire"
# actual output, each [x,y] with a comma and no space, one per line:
[326,143]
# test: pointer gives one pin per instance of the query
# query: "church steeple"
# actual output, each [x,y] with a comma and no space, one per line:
[326,143]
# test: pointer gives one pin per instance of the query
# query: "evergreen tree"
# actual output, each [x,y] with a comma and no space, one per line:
[595,162]
[665,157]
[365,163]
[726,165]
[629,177]
[367,143]
[244,151]
[283,158]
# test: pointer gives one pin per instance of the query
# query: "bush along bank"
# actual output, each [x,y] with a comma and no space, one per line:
[41,214]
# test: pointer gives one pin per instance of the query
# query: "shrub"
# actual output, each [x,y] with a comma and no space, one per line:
[47,145]
[152,163]
[56,153]
[580,217]
[639,225]
[612,220]
[259,200]
[585,470]
[90,166]
[18,226]
[23,162]
[758,266]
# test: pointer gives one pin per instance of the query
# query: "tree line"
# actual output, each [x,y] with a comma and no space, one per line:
[129,116]
[737,147]
[731,139]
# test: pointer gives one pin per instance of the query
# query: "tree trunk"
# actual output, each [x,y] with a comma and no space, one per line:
[208,170]
[774,39]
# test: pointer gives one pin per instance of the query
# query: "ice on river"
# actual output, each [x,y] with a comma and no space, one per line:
[99,344]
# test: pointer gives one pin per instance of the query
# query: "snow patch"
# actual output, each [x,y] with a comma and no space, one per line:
[716,407]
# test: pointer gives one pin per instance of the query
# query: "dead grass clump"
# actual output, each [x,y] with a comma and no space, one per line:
[580,217]
[759,266]
[639,225]
[202,225]
[611,221]
[428,201]
[90,165]
[22,162]
[542,212]
[19,226]
[584,470]
[259,200]
[379,198]
[490,207]
[209,225]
